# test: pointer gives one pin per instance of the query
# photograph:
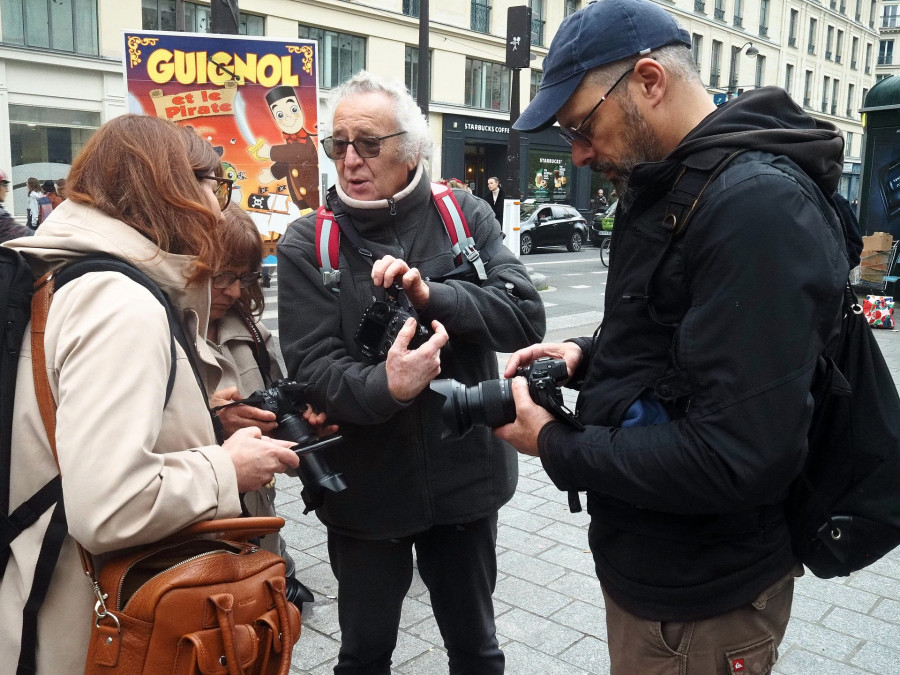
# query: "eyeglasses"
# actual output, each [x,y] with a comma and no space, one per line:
[223,189]
[224,279]
[365,146]
[572,135]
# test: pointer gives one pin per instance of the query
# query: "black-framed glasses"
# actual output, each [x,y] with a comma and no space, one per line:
[572,135]
[223,189]
[224,279]
[365,146]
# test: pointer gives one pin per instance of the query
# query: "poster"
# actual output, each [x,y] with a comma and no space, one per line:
[255,99]
[548,176]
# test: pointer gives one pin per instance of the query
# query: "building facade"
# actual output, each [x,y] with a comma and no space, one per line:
[61,71]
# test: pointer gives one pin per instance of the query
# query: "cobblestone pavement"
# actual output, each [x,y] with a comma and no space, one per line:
[549,608]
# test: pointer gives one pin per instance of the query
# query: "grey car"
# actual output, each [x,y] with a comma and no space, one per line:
[551,225]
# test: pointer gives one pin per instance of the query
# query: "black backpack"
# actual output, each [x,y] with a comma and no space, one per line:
[16,291]
[843,510]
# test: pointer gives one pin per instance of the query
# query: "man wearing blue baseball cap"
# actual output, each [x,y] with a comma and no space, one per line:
[725,284]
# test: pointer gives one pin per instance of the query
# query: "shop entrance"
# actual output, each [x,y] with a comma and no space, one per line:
[482,161]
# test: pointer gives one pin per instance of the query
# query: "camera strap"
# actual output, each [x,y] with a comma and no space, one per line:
[345,225]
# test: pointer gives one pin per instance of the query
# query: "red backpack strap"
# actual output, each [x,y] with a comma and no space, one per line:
[328,244]
[462,243]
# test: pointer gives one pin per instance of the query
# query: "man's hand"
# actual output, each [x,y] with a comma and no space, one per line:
[240,416]
[389,269]
[530,419]
[317,421]
[258,458]
[567,351]
[410,371]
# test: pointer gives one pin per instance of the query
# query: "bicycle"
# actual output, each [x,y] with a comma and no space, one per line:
[604,251]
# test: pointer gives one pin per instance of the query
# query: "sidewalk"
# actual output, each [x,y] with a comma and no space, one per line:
[549,608]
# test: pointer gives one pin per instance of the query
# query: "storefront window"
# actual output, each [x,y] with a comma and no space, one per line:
[341,55]
[43,143]
[62,25]
[548,176]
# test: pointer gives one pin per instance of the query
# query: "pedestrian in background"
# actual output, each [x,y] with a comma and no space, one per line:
[695,391]
[33,212]
[61,188]
[9,228]
[409,488]
[496,195]
[49,190]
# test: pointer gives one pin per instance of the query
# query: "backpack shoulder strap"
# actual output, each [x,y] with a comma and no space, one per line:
[462,243]
[328,244]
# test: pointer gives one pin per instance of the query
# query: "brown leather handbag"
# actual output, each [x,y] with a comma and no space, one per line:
[202,601]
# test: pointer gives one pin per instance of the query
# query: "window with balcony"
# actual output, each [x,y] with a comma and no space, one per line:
[858,14]
[570,7]
[835,90]
[537,22]
[411,71]
[760,70]
[862,99]
[160,15]
[60,25]
[699,6]
[341,55]
[851,91]
[825,82]
[829,41]
[733,69]
[696,48]
[411,8]
[792,28]
[868,58]
[854,52]
[811,45]
[763,18]
[789,79]
[886,53]
[807,89]
[738,13]
[873,9]
[719,10]
[848,144]
[487,85]
[481,16]
[839,46]
[889,17]
[715,63]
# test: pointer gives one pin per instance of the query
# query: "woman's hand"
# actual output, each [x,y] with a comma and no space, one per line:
[258,458]
[236,417]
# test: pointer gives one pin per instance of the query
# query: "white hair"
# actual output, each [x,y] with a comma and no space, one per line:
[415,145]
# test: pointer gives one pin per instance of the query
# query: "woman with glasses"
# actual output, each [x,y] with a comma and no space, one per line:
[137,462]
[242,358]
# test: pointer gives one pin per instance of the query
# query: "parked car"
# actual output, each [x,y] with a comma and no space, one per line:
[602,224]
[551,224]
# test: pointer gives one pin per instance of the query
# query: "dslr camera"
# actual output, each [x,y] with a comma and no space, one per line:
[381,322]
[285,399]
[490,403]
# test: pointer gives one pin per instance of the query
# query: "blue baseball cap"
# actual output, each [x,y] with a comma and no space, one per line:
[603,32]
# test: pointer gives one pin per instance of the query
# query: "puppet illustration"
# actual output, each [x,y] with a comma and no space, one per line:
[297,159]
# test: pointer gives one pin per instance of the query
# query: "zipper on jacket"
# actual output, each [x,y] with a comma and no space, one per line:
[393,206]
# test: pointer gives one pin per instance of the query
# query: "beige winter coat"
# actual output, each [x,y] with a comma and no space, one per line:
[133,471]
[231,363]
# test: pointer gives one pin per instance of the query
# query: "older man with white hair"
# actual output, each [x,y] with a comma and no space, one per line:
[408,485]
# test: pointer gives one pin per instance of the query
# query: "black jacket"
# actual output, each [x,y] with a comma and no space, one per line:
[722,325]
[402,476]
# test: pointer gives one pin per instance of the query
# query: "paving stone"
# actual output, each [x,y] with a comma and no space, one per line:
[520,593]
[536,631]
[584,617]
[802,662]
[878,659]
[523,542]
[819,640]
[524,660]
[853,623]
[524,520]
[581,587]
[530,568]
[835,593]
[574,558]
[566,534]
[590,654]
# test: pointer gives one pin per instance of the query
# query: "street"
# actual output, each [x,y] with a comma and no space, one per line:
[550,617]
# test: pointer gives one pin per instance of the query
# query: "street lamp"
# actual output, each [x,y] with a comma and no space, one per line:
[732,81]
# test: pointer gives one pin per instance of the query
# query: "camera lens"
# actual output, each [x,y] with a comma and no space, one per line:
[488,403]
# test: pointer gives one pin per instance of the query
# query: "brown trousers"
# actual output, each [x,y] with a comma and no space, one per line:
[744,640]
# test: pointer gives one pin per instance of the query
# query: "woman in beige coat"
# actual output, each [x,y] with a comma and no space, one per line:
[134,468]
[235,364]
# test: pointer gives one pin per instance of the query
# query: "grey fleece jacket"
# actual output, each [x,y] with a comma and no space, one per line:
[402,476]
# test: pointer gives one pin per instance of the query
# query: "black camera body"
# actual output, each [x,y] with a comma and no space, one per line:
[285,399]
[490,403]
[383,320]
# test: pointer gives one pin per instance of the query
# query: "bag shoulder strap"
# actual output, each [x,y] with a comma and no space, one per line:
[260,352]
[328,233]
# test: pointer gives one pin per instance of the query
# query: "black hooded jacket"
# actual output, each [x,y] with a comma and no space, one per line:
[721,325]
